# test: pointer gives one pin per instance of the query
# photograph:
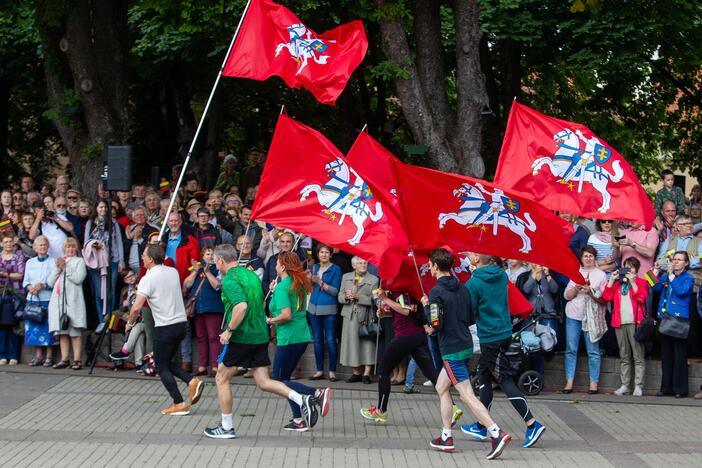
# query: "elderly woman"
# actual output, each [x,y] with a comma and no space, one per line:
[67,297]
[356,296]
[628,293]
[322,310]
[24,241]
[676,293]
[228,176]
[585,316]
[12,262]
[36,283]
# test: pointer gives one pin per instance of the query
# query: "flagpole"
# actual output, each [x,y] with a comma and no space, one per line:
[416,268]
[202,120]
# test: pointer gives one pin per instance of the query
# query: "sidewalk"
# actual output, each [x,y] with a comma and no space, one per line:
[64,418]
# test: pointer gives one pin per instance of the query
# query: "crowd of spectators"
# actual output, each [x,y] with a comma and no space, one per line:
[60,247]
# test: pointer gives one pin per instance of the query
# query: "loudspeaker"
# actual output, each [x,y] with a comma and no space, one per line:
[156,173]
[119,167]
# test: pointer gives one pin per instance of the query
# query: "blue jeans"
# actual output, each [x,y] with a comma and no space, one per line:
[324,332]
[286,359]
[96,286]
[186,346]
[9,344]
[537,358]
[573,332]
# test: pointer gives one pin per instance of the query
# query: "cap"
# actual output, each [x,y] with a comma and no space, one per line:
[192,203]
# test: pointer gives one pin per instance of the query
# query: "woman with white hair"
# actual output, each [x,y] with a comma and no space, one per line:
[228,176]
[356,295]
[36,283]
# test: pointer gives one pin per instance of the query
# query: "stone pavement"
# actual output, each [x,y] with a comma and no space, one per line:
[63,418]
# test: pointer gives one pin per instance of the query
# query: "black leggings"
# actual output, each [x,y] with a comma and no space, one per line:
[514,395]
[394,353]
[166,344]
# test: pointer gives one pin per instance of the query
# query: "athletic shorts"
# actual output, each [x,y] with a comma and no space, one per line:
[250,356]
[494,360]
[457,370]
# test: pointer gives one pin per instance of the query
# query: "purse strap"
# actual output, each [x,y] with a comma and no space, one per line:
[199,286]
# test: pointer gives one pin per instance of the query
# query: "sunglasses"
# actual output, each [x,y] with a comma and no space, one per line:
[608,221]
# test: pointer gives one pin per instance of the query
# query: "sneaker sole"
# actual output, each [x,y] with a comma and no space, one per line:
[306,411]
[443,448]
[475,436]
[325,401]
[302,429]
[536,437]
[198,392]
[220,436]
[177,413]
[500,448]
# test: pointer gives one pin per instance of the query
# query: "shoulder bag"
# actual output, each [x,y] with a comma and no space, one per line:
[370,328]
[8,306]
[64,321]
[645,329]
[191,303]
[675,327]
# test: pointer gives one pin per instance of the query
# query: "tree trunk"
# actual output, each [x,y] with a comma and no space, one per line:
[453,137]
[4,117]
[85,65]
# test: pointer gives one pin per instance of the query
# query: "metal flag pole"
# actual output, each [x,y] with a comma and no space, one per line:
[202,120]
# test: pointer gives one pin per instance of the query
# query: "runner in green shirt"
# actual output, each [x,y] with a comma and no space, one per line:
[293,334]
[246,343]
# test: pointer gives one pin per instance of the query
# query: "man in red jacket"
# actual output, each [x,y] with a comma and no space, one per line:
[183,249]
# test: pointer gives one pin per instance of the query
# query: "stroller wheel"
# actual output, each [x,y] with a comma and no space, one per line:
[531,383]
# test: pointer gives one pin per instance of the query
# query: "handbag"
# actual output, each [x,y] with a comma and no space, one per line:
[675,327]
[191,303]
[64,321]
[32,312]
[9,304]
[369,329]
[645,330]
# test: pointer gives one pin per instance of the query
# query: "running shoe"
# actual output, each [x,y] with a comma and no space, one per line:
[457,413]
[294,426]
[498,445]
[474,431]
[533,434]
[195,388]
[374,415]
[119,355]
[309,411]
[177,409]
[443,445]
[409,389]
[220,433]
[322,397]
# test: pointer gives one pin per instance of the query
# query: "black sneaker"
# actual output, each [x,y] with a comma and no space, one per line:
[220,433]
[498,445]
[299,427]
[309,411]
[119,355]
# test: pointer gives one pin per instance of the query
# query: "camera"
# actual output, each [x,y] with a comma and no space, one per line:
[49,214]
[619,237]
[622,275]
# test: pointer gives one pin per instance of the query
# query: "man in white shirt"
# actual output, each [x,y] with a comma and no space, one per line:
[161,287]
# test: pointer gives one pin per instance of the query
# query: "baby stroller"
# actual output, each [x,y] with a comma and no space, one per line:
[528,337]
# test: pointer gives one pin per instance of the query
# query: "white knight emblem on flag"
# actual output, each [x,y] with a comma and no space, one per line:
[303,46]
[341,198]
[481,207]
[580,159]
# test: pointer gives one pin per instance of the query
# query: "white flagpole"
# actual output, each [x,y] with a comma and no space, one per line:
[202,120]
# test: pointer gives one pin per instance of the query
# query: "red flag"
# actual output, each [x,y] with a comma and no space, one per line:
[566,167]
[477,216]
[308,186]
[273,41]
[406,280]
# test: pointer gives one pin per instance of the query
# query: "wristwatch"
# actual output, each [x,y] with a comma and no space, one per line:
[634,244]
[229,329]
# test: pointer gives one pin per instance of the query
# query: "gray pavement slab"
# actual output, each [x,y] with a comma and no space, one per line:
[76,420]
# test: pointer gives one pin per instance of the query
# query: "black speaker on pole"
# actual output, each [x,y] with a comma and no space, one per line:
[119,167]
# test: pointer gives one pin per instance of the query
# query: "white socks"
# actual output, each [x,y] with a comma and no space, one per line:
[227,423]
[295,397]
[494,430]
[446,433]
